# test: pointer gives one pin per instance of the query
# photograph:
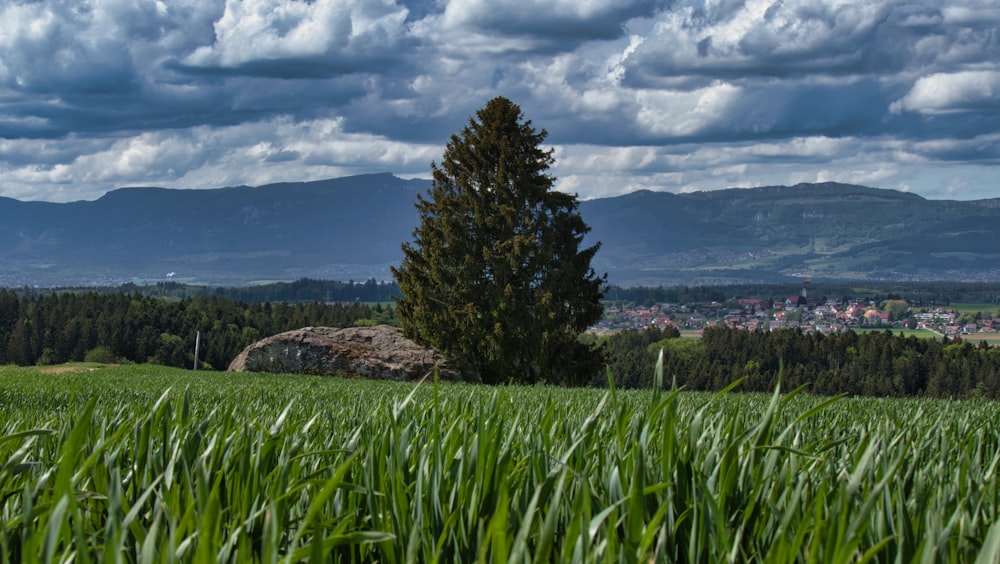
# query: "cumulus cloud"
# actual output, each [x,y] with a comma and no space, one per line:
[942,93]
[637,94]
[296,38]
[211,157]
[555,24]
[760,38]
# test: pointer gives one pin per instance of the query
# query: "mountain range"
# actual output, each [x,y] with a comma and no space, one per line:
[352,228]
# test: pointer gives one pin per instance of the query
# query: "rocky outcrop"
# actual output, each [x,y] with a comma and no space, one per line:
[379,352]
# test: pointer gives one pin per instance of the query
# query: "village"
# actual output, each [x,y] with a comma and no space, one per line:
[799,312]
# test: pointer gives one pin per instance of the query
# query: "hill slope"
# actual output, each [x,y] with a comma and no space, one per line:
[352,228]
[341,229]
[809,230]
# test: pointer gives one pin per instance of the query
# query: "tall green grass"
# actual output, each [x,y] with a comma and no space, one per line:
[144,464]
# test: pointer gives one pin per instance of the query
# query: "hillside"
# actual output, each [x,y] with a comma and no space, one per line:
[348,228]
[809,230]
[352,228]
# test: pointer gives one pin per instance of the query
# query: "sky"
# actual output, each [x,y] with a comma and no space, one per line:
[675,96]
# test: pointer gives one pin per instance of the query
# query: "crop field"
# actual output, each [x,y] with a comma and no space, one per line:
[919,333]
[151,464]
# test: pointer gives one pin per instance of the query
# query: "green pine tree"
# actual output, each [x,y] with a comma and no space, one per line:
[495,278]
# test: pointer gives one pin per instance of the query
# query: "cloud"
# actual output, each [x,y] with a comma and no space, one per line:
[211,157]
[288,39]
[72,67]
[984,149]
[547,22]
[757,38]
[942,93]
[659,94]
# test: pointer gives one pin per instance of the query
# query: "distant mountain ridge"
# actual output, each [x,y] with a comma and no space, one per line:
[352,228]
[339,229]
[767,234]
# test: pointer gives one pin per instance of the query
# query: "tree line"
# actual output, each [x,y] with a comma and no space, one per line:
[301,290]
[879,364]
[57,327]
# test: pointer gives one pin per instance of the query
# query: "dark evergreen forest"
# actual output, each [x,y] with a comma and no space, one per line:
[57,327]
[302,290]
[869,364]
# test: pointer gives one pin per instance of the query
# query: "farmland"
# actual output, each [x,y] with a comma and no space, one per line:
[157,464]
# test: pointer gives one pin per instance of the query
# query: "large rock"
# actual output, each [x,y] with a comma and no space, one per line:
[379,352]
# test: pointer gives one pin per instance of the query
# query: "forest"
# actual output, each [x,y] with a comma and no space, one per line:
[40,328]
[57,327]
[301,290]
[920,294]
[879,364]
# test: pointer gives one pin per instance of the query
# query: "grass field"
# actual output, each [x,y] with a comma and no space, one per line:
[919,333]
[149,464]
[975,308]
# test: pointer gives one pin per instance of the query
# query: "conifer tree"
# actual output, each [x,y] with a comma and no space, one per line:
[496,278]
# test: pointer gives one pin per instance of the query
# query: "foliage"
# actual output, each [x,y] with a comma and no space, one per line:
[99,354]
[896,309]
[630,358]
[495,277]
[57,327]
[870,363]
[143,464]
[311,290]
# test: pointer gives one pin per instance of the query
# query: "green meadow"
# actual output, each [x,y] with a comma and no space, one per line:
[150,464]
[919,333]
[974,308]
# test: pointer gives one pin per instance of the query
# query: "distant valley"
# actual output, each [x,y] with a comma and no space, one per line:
[352,228]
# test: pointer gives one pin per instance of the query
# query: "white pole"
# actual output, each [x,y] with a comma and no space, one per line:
[197,341]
